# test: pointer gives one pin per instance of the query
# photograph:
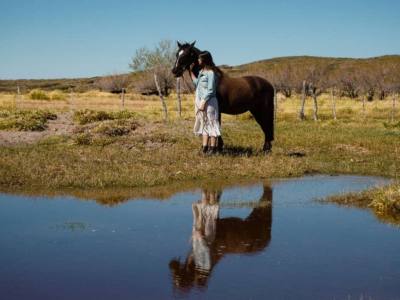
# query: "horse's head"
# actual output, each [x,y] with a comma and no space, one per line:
[185,56]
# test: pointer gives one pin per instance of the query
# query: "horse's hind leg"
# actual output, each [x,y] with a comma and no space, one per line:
[265,118]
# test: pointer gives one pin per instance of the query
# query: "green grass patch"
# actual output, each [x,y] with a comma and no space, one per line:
[391,125]
[25,120]
[57,95]
[87,116]
[37,94]
[116,127]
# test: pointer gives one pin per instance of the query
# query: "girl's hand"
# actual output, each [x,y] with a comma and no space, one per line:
[202,105]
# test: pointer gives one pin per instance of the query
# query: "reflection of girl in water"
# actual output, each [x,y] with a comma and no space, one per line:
[205,215]
[213,238]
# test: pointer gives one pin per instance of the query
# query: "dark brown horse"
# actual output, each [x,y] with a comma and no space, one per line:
[214,237]
[235,95]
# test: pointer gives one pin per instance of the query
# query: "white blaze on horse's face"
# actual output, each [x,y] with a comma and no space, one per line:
[179,56]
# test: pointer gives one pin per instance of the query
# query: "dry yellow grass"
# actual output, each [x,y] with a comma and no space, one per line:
[346,109]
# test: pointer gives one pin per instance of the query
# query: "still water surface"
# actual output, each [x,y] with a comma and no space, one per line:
[245,242]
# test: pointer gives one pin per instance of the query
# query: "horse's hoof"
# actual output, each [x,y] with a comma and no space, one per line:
[267,147]
[267,151]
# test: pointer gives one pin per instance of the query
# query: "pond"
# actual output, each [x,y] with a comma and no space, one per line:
[238,242]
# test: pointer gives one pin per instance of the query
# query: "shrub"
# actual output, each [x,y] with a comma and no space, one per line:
[57,95]
[386,202]
[121,127]
[392,125]
[346,111]
[37,94]
[82,139]
[4,113]
[89,116]
[26,120]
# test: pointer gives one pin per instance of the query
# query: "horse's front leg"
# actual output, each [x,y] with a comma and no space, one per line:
[220,141]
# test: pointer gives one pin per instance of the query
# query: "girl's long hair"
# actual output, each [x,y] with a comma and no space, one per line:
[208,62]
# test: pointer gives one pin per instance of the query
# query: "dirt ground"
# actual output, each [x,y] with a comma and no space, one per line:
[63,125]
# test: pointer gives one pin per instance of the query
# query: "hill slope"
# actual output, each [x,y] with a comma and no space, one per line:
[265,67]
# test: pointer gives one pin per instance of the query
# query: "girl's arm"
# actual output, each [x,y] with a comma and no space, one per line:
[211,86]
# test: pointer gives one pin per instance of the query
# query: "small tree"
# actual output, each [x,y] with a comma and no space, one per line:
[366,85]
[316,85]
[114,83]
[303,100]
[282,79]
[366,82]
[348,86]
[155,66]
[383,78]
[392,85]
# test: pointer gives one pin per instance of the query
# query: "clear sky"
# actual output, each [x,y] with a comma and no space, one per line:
[79,38]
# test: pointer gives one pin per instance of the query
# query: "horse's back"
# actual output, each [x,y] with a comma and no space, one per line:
[237,95]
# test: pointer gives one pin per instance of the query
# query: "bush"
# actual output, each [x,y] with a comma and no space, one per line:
[391,125]
[57,95]
[37,94]
[89,116]
[386,202]
[25,120]
[121,127]
[82,139]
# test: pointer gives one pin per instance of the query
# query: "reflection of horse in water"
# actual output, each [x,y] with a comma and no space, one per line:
[213,238]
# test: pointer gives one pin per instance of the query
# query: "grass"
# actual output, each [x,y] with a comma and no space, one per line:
[133,148]
[89,116]
[383,201]
[25,120]
[38,95]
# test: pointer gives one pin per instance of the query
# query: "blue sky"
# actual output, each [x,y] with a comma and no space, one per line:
[79,38]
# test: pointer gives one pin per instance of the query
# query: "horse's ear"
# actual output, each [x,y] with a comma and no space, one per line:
[192,44]
[179,44]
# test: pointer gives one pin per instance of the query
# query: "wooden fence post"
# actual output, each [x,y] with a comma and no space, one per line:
[303,101]
[123,98]
[394,106]
[164,106]
[333,99]
[178,94]
[363,104]
[315,115]
[70,98]
[17,97]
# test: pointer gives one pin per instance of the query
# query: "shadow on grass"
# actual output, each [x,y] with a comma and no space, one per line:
[239,151]
[235,151]
[295,154]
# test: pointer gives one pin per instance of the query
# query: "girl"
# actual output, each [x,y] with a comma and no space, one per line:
[206,104]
